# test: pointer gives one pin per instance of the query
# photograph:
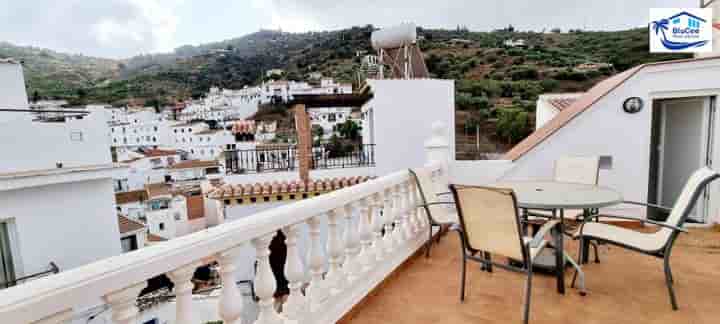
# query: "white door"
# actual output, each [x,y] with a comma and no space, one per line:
[684,145]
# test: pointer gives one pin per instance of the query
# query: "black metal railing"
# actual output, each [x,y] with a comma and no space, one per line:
[324,156]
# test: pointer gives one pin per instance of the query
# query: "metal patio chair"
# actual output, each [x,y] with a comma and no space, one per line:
[658,244]
[489,223]
[432,202]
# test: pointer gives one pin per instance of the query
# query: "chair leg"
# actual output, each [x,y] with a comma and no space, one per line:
[528,292]
[597,255]
[428,244]
[488,257]
[462,279]
[669,283]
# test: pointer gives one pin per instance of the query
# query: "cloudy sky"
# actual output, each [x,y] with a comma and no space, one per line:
[123,28]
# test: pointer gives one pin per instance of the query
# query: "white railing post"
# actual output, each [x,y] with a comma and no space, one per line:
[230,306]
[376,223]
[336,247]
[122,304]
[407,224]
[365,256]
[182,279]
[351,264]
[265,282]
[296,305]
[317,291]
[388,217]
[60,317]
[398,230]
[415,211]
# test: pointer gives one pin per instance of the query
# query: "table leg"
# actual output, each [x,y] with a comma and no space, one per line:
[560,254]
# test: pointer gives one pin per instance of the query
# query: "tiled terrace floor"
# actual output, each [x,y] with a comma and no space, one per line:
[625,288]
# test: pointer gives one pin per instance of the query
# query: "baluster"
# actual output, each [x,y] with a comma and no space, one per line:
[415,212]
[365,256]
[230,307]
[388,214]
[122,304]
[407,225]
[336,247]
[376,223]
[318,288]
[350,266]
[397,217]
[296,304]
[60,317]
[265,282]
[182,279]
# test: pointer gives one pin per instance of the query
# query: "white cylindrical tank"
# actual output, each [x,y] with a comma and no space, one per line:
[394,37]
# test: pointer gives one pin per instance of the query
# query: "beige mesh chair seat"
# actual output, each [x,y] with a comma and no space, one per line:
[438,209]
[658,244]
[490,225]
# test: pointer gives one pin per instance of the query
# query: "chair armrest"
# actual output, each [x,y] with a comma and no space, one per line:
[437,203]
[443,193]
[539,236]
[642,220]
[663,208]
[455,227]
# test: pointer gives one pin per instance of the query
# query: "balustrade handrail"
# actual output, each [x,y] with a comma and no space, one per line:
[86,285]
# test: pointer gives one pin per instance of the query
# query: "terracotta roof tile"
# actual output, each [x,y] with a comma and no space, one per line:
[122,198]
[155,190]
[562,103]
[155,238]
[194,164]
[127,225]
[224,191]
[159,152]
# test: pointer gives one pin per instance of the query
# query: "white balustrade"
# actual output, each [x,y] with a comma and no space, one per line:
[398,235]
[183,288]
[365,257]
[265,282]
[61,317]
[296,304]
[388,218]
[230,306]
[318,290]
[407,226]
[122,304]
[335,276]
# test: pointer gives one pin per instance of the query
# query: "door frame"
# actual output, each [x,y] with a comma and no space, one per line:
[657,156]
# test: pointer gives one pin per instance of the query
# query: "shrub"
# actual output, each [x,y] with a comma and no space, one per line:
[513,124]
[549,84]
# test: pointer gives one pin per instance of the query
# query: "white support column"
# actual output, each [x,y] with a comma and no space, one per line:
[230,306]
[296,305]
[388,217]
[317,291]
[352,244]
[57,318]
[376,223]
[407,225]
[335,276]
[365,256]
[182,279]
[265,282]
[122,304]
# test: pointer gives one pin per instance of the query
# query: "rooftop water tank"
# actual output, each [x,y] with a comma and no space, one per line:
[394,37]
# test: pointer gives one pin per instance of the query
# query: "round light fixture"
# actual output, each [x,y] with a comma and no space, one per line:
[633,105]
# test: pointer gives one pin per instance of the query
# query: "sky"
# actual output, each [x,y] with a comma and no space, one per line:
[124,28]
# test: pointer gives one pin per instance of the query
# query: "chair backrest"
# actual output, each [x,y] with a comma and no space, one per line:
[428,193]
[688,198]
[489,220]
[577,169]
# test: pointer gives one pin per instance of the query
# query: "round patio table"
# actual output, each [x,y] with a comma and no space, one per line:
[556,197]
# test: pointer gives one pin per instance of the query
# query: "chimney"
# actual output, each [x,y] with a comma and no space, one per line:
[304,145]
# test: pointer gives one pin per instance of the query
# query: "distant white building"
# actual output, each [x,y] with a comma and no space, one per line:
[148,166]
[143,128]
[56,189]
[200,142]
[515,43]
[329,118]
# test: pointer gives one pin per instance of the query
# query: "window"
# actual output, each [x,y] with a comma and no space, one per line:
[331,117]
[175,130]
[161,226]
[7,269]
[189,130]
[155,127]
[129,243]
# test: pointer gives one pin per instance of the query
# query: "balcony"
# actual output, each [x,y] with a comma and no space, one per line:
[352,257]
[286,158]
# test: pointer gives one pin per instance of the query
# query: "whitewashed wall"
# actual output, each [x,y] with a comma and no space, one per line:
[70,224]
[12,91]
[403,112]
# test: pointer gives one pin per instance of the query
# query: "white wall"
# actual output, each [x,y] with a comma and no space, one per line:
[31,145]
[404,111]
[12,91]
[605,129]
[70,224]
